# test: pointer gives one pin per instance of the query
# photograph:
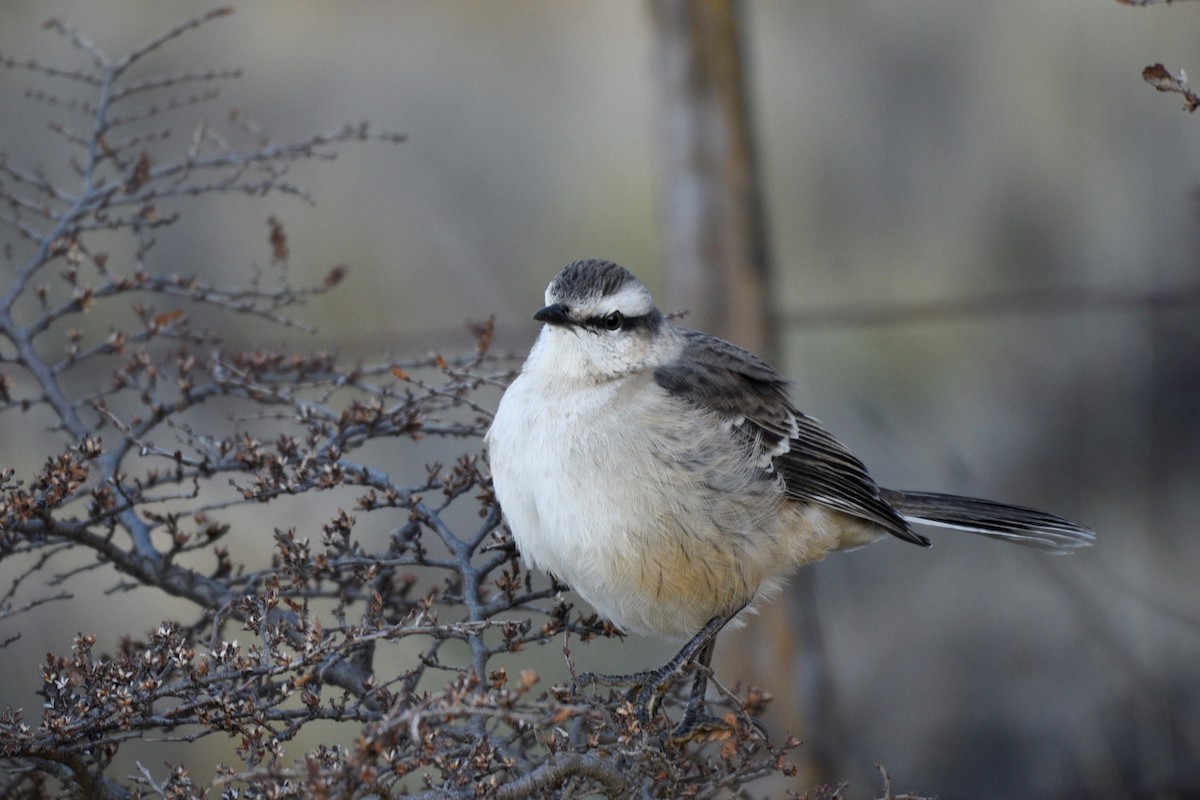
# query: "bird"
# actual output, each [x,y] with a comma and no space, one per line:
[665,475]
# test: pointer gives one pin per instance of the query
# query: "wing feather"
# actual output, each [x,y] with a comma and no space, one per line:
[751,396]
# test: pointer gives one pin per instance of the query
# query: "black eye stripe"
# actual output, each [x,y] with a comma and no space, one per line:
[649,321]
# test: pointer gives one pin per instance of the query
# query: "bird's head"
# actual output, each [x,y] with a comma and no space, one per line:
[599,322]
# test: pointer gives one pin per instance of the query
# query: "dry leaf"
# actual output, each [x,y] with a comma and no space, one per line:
[335,275]
[1161,78]
[166,318]
[484,332]
[140,174]
[279,248]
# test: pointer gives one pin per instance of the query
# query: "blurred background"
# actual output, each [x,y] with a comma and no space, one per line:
[922,163]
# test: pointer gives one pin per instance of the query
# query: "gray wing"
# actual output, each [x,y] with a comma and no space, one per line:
[745,390]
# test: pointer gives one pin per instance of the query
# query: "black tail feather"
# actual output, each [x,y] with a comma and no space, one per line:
[1024,526]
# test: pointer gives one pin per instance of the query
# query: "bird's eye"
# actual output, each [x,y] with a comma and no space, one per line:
[613,321]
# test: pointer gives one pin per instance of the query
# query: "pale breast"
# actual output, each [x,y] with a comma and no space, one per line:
[655,517]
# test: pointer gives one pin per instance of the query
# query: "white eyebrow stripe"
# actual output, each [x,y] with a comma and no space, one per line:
[632,300]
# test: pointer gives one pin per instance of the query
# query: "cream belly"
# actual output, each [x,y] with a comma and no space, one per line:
[671,533]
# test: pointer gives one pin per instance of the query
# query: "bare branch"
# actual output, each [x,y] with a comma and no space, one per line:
[173,80]
[173,33]
[78,40]
[33,65]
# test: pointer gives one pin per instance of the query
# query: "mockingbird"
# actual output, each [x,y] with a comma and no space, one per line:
[666,477]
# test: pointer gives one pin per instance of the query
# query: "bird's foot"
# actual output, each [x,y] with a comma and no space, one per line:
[634,679]
[646,688]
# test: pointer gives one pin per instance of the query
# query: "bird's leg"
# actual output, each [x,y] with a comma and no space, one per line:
[694,712]
[657,682]
[697,723]
[650,685]
[638,680]
[634,679]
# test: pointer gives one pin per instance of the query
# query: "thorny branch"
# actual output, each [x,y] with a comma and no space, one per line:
[164,474]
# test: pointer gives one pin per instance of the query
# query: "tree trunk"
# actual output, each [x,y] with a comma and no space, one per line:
[717,270]
[711,210]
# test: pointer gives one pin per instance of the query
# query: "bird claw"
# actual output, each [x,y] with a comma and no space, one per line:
[645,693]
[636,679]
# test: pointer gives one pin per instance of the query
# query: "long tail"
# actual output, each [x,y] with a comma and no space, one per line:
[998,520]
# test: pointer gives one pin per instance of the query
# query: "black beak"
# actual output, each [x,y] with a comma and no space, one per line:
[555,314]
